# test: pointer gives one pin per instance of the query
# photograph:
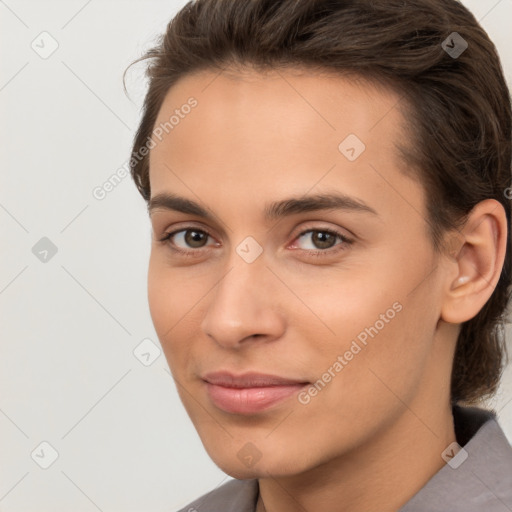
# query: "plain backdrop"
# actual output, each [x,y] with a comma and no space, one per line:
[73,395]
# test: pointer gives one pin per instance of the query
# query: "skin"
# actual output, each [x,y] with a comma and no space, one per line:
[373,436]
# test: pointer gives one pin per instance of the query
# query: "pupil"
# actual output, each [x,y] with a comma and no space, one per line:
[323,239]
[194,238]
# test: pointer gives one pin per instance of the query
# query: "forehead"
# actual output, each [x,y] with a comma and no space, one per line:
[273,130]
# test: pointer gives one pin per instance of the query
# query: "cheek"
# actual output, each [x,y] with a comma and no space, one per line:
[160,299]
[396,350]
[167,303]
[170,294]
[374,377]
[343,304]
[376,319]
[174,297]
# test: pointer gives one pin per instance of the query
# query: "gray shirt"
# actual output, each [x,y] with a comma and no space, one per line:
[481,482]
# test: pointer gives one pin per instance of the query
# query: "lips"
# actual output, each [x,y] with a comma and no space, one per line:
[249,380]
[249,393]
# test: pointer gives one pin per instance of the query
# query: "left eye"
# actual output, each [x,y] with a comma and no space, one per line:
[321,239]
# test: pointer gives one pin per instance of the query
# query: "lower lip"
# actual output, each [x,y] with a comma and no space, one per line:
[250,400]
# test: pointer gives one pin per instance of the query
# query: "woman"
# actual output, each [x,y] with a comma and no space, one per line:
[328,187]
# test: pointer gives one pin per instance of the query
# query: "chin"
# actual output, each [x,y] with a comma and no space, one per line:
[243,467]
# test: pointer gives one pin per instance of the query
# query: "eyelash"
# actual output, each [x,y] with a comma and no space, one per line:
[315,253]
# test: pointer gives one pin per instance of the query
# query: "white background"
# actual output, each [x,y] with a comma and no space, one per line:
[68,375]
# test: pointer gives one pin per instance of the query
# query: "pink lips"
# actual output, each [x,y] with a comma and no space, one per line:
[249,393]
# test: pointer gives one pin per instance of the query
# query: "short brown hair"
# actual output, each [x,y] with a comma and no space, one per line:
[458,110]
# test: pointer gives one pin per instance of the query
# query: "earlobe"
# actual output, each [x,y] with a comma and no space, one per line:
[477,265]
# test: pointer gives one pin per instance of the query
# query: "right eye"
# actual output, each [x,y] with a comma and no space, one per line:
[187,240]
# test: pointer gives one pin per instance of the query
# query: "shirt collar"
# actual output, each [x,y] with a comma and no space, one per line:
[480,475]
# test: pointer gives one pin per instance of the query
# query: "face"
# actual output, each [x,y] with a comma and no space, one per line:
[305,256]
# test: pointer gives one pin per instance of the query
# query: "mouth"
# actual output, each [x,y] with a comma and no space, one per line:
[249,393]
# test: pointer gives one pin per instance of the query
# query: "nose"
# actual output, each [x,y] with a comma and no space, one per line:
[244,306]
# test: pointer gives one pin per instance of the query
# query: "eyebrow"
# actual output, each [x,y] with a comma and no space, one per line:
[272,211]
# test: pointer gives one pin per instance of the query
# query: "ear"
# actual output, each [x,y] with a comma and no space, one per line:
[476,263]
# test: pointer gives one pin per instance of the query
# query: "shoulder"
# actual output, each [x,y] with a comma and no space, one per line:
[233,496]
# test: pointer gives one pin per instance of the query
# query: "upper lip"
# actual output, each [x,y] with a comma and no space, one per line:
[248,380]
